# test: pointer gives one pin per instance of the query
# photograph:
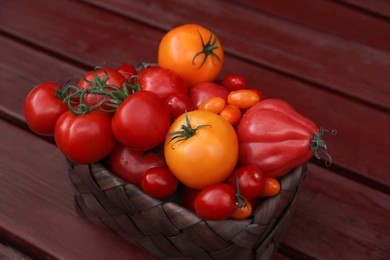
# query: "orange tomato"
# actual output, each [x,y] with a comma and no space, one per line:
[213,104]
[201,148]
[243,98]
[242,212]
[231,113]
[271,187]
[193,52]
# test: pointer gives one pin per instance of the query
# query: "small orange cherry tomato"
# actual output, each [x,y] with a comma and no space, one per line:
[213,104]
[242,212]
[243,98]
[193,52]
[232,114]
[271,187]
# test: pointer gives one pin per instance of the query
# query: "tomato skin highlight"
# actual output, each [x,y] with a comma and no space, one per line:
[42,108]
[131,165]
[141,121]
[86,138]
[215,202]
[159,182]
[209,156]
[181,51]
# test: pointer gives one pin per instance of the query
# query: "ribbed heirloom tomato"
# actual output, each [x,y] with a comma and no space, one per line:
[201,149]
[193,52]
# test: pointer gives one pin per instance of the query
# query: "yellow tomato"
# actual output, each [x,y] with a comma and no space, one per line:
[201,149]
[193,52]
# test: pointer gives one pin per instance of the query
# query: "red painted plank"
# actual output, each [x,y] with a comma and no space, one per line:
[350,222]
[37,207]
[328,60]
[356,123]
[329,16]
[380,7]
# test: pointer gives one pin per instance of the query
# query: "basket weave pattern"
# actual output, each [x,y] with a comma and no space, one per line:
[168,230]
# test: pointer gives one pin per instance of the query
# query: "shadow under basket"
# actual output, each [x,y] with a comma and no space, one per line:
[168,230]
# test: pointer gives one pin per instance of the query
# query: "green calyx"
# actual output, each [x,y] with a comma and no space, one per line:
[74,97]
[318,144]
[207,49]
[186,132]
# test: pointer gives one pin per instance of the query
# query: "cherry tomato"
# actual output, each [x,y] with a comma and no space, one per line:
[178,104]
[131,165]
[193,52]
[251,181]
[243,98]
[141,121]
[203,91]
[242,211]
[162,81]
[100,79]
[215,202]
[213,104]
[271,187]
[232,114]
[201,149]
[233,82]
[85,138]
[42,108]
[159,182]
[127,71]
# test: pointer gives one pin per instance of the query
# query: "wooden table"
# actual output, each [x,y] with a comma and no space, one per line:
[329,59]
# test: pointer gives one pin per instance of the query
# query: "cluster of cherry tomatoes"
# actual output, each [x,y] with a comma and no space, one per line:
[169,128]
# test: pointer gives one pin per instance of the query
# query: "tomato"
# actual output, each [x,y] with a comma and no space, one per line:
[215,202]
[162,81]
[127,71]
[243,98]
[271,187]
[231,113]
[242,211]
[193,52]
[233,82]
[100,80]
[131,165]
[159,182]
[202,151]
[85,138]
[141,121]
[203,91]
[276,138]
[42,108]
[250,179]
[178,104]
[213,104]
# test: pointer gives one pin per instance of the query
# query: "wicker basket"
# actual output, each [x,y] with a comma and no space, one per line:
[168,230]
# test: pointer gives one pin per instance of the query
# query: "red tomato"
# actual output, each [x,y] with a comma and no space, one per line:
[203,91]
[42,108]
[271,187]
[100,79]
[215,202]
[127,71]
[162,81]
[85,138]
[159,182]
[178,104]
[251,181]
[131,165]
[242,211]
[141,121]
[233,82]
